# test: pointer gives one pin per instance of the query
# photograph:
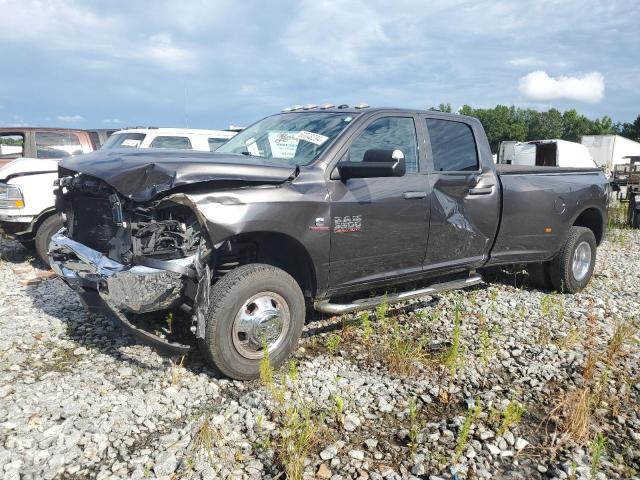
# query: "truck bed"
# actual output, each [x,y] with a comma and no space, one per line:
[539,204]
[504,169]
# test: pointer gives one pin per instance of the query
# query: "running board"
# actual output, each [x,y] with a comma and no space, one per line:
[365,303]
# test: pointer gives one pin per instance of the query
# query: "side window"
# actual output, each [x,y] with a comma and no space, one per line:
[171,142]
[214,143]
[57,144]
[388,133]
[453,146]
[11,146]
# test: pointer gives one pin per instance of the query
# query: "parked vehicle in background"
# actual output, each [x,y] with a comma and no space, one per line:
[313,207]
[610,150]
[99,136]
[176,138]
[28,166]
[545,153]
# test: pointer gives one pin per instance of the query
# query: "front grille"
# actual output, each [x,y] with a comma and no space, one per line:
[92,223]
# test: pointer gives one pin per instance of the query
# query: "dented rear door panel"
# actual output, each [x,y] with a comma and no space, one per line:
[463,225]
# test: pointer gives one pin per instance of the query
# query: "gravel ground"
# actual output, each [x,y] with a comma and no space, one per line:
[406,393]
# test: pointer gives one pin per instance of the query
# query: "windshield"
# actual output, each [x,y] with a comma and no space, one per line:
[124,140]
[294,138]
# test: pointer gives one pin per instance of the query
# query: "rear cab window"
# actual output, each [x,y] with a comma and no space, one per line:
[57,144]
[453,146]
[124,140]
[167,141]
[11,146]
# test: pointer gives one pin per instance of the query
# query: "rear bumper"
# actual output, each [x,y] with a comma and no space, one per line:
[133,288]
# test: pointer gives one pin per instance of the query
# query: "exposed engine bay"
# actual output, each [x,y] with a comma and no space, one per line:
[126,231]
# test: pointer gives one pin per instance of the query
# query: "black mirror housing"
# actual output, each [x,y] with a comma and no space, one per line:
[375,163]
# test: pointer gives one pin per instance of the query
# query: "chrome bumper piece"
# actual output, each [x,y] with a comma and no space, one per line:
[136,289]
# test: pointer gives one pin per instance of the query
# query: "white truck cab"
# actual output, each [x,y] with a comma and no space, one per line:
[181,138]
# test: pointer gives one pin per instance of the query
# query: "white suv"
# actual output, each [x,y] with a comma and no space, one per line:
[182,138]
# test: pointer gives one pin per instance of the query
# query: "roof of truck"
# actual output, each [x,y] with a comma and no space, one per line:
[358,110]
[179,131]
[52,129]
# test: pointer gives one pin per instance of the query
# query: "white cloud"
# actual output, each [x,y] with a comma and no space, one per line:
[539,86]
[73,26]
[70,118]
[112,120]
[526,62]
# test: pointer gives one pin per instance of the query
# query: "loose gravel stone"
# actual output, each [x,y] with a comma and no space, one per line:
[81,399]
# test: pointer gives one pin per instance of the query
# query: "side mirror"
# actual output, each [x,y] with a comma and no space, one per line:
[375,163]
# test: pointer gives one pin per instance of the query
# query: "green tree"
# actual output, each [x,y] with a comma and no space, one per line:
[630,130]
[443,107]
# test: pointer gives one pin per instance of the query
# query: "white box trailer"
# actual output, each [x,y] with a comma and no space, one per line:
[545,153]
[610,150]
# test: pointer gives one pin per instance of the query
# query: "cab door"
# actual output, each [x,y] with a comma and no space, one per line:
[379,225]
[465,203]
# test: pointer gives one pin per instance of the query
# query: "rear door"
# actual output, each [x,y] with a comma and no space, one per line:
[465,196]
[52,144]
[379,225]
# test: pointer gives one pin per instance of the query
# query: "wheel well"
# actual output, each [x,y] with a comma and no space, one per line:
[41,218]
[592,219]
[270,248]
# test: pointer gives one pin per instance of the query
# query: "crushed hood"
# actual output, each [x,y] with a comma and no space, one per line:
[143,174]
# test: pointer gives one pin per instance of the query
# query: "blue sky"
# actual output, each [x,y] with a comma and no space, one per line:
[211,63]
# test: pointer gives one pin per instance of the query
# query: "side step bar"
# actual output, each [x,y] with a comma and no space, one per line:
[366,303]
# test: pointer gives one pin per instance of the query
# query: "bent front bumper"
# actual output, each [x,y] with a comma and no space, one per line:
[111,288]
[133,288]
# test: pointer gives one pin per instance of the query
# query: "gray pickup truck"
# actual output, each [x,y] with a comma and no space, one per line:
[313,208]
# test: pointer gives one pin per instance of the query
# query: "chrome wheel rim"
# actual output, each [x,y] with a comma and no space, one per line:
[581,261]
[263,319]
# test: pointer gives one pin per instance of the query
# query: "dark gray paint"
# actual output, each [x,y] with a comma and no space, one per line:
[447,229]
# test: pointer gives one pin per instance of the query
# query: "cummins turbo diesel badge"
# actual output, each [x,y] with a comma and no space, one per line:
[348,223]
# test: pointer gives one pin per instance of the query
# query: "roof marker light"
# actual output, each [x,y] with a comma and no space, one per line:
[297,107]
[287,109]
[362,105]
[327,105]
[310,106]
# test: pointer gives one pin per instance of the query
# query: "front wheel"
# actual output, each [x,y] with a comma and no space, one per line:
[572,268]
[251,307]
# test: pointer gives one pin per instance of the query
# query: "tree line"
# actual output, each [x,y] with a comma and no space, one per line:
[524,124]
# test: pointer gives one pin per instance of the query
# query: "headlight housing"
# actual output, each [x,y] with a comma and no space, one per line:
[11,196]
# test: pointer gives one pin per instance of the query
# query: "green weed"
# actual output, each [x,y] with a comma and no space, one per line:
[463,435]
[333,343]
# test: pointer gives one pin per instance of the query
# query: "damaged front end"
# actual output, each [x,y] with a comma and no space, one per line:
[125,257]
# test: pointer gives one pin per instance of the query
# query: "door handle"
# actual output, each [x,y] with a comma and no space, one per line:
[412,195]
[481,190]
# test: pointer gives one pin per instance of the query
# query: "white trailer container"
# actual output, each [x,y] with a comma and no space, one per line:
[545,153]
[610,150]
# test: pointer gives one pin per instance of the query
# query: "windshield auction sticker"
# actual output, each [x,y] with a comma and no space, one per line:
[315,138]
[283,144]
[131,142]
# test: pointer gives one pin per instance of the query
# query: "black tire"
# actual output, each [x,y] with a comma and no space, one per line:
[540,275]
[562,275]
[44,233]
[635,219]
[227,297]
